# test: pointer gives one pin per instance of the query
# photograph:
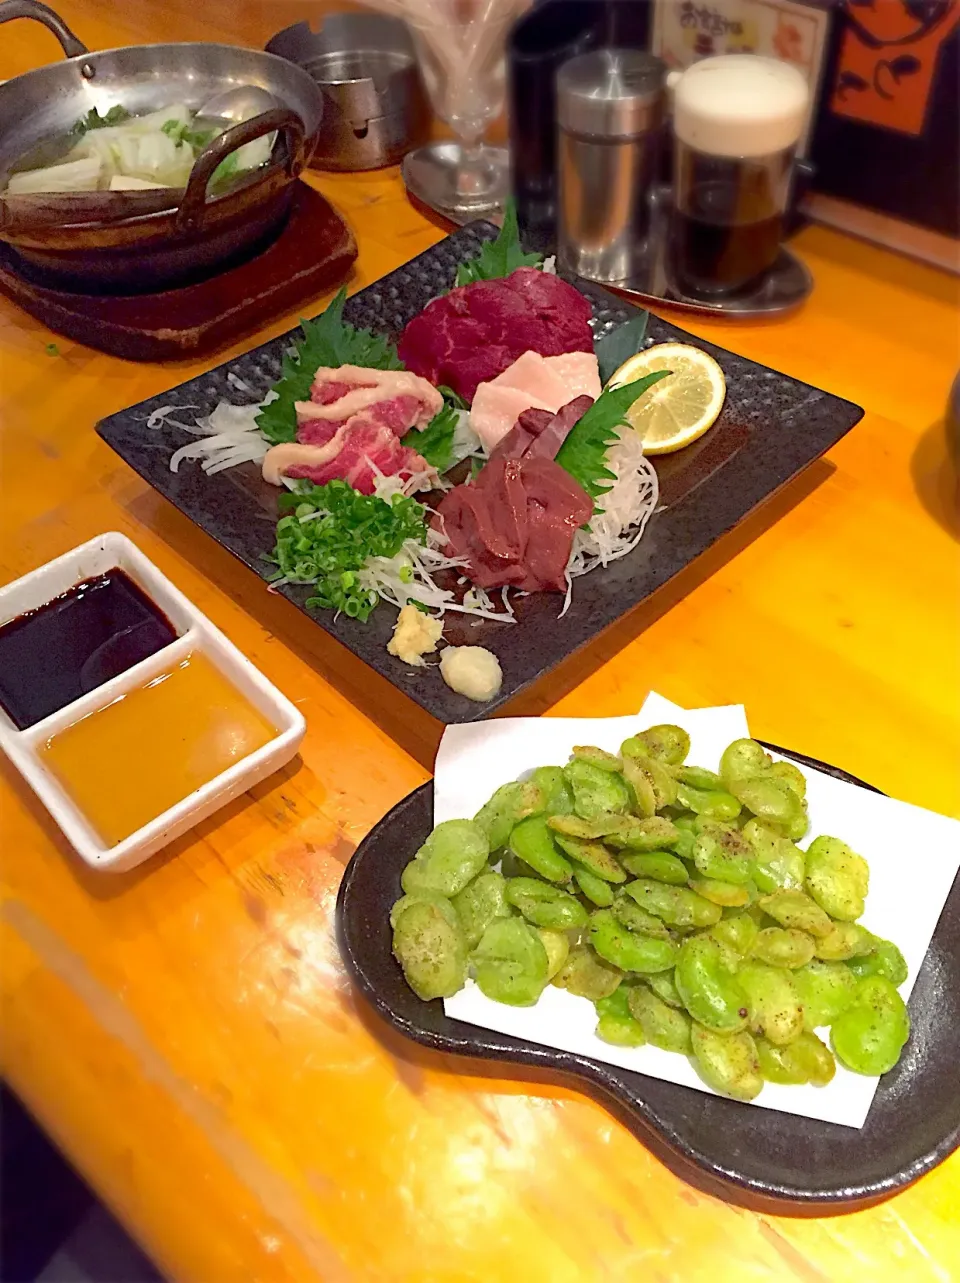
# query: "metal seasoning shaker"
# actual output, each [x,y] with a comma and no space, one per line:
[609,116]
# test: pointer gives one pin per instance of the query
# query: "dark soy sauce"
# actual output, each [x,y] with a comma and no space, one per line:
[51,656]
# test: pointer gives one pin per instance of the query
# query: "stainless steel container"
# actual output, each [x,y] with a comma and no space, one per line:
[375,107]
[610,120]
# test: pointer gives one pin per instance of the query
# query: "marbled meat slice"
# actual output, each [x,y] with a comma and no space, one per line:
[358,451]
[338,394]
[351,428]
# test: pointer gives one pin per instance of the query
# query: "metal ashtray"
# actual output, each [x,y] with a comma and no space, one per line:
[375,107]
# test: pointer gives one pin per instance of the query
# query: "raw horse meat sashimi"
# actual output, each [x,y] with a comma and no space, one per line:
[532,382]
[540,434]
[472,334]
[580,371]
[351,428]
[515,524]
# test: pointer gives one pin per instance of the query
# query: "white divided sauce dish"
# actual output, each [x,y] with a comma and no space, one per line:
[195,634]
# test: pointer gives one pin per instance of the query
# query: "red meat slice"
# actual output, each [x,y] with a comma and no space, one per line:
[540,434]
[474,333]
[515,524]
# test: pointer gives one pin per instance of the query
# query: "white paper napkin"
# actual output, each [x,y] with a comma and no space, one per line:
[913,856]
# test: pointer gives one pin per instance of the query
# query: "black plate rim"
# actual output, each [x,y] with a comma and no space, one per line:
[776,452]
[600,1080]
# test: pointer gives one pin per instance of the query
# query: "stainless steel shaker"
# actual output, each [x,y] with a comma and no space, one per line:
[610,119]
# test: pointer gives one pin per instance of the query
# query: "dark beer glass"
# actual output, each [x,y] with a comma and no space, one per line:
[737,120]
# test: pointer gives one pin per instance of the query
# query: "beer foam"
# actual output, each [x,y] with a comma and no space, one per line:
[740,105]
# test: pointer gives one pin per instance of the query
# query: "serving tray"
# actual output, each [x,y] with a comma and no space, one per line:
[781,1163]
[770,429]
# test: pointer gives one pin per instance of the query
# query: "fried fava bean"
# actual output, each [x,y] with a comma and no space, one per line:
[616,1022]
[837,878]
[846,940]
[650,834]
[885,959]
[743,759]
[715,805]
[557,798]
[659,865]
[774,802]
[479,903]
[597,757]
[709,989]
[429,897]
[429,945]
[784,947]
[728,1062]
[778,864]
[594,888]
[738,932]
[586,975]
[686,826]
[797,909]
[870,1034]
[510,804]
[629,914]
[572,826]
[454,853]
[826,989]
[626,949]
[723,854]
[699,778]
[532,842]
[593,856]
[792,776]
[557,946]
[805,1060]
[640,780]
[725,894]
[655,775]
[667,743]
[677,906]
[510,963]
[545,905]
[663,985]
[595,791]
[663,1025]
[773,1002]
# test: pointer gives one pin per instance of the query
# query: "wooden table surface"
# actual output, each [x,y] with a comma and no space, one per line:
[186,1032]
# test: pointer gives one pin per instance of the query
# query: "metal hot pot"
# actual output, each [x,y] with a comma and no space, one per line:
[133,242]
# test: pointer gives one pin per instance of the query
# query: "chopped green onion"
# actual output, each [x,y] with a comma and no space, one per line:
[345,530]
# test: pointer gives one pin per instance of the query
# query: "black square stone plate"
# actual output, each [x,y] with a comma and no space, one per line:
[761,1158]
[770,429]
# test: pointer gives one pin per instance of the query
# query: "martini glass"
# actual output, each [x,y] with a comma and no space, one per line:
[460,46]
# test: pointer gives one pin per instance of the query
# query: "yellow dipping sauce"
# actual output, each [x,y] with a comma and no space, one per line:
[127,763]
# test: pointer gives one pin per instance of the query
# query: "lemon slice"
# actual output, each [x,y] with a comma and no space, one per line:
[678,409]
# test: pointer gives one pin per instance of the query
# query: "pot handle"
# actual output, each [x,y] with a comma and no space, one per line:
[280,119]
[72,47]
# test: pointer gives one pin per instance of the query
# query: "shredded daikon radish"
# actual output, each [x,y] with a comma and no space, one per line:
[235,381]
[409,577]
[385,487]
[159,418]
[624,512]
[229,435]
